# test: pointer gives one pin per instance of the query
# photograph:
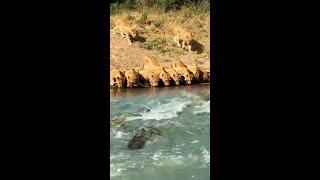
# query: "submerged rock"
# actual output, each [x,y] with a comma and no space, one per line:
[150,131]
[140,112]
[117,122]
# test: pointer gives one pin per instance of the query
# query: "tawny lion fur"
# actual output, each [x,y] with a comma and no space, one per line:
[148,77]
[117,78]
[186,36]
[174,75]
[182,70]
[197,73]
[132,77]
[125,31]
[151,64]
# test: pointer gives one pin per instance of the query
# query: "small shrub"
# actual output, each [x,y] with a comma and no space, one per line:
[157,23]
[159,44]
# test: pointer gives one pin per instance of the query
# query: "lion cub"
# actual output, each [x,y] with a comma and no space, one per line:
[148,77]
[182,70]
[151,64]
[174,75]
[125,31]
[117,78]
[186,36]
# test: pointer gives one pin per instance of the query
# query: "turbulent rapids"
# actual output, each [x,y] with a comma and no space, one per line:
[180,151]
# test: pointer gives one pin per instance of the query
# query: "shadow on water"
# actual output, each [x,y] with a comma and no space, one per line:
[120,93]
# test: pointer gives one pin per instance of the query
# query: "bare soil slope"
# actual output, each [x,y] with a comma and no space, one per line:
[123,56]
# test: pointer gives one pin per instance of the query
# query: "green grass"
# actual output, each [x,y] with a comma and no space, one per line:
[199,7]
[159,44]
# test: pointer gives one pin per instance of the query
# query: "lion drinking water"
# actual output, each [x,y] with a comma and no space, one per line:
[117,78]
[174,75]
[197,73]
[132,78]
[182,70]
[151,64]
[148,77]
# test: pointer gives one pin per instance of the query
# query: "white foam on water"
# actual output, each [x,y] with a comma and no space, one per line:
[159,158]
[116,168]
[156,156]
[172,160]
[189,132]
[195,141]
[203,108]
[119,134]
[150,142]
[205,156]
[163,110]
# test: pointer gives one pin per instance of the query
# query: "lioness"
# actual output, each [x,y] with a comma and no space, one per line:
[206,67]
[117,78]
[125,31]
[182,70]
[175,77]
[197,73]
[132,78]
[148,77]
[186,36]
[150,63]
[205,75]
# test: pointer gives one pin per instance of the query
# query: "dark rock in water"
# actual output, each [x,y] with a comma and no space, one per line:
[147,110]
[138,140]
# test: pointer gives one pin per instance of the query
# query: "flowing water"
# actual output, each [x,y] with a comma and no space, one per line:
[181,113]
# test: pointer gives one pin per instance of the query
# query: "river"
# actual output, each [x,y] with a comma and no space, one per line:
[181,113]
